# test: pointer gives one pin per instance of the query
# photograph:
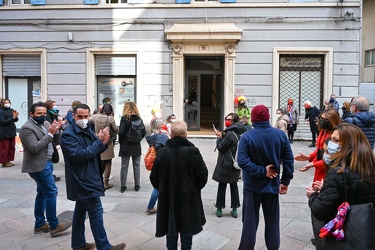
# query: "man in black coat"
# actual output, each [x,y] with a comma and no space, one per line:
[179,173]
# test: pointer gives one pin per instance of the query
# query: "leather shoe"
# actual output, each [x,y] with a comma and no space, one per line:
[6,165]
[123,189]
[87,246]
[311,145]
[42,229]
[61,227]
[137,187]
[119,247]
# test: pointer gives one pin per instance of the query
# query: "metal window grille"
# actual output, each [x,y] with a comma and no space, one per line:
[301,78]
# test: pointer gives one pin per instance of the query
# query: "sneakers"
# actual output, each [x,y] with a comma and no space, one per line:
[123,189]
[119,247]
[42,229]
[137,187]
[151,211]
[234,213]
[219,212]
[87,246]
[61,227]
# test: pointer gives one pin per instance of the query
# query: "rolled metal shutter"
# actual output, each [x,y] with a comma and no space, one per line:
[111,65]
[14,65]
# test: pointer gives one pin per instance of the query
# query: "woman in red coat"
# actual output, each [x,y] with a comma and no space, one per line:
[328,120]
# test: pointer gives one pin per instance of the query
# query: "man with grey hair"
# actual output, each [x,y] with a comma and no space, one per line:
[332,99]
[363,118]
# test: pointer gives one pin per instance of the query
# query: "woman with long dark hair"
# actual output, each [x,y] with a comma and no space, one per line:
[105,118]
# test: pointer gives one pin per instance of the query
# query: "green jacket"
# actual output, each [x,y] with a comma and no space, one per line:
[244,112]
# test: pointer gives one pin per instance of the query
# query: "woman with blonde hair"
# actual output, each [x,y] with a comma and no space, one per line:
[345,110]
[291,110]
[130,123]
[352,156]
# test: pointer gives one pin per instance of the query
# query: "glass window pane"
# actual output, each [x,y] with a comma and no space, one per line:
[26,1]
[16,1]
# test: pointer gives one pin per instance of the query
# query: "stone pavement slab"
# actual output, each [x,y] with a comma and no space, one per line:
[125,218]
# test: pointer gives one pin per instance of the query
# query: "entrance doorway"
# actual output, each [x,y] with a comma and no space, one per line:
[203,93]
[22,92]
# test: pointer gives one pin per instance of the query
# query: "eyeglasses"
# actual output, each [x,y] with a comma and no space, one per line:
[230,120]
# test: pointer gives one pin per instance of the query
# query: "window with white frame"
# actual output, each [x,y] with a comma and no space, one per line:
[370,57]
[15,2]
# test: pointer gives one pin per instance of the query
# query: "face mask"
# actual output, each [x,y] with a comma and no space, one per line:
[164,127]
[54,108]
[327,159]
[173,120]
[333,147]
[40,119]
[331,100]
[7,105]
[228,123]
[290,102]
[325,124]
[242,104]
[343,109]
[307,106]
[82,123]
[278,116]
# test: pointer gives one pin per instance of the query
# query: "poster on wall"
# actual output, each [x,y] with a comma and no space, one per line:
[119,91]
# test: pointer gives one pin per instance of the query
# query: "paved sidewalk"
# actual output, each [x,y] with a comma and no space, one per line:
[125,218]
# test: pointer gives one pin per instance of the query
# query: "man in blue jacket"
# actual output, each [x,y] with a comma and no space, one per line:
[84,182]
[363,118]
[260,153]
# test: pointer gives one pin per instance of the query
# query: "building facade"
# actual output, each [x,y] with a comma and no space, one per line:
[190,58]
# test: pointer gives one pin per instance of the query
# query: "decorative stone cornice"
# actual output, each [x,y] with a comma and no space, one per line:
[204,32]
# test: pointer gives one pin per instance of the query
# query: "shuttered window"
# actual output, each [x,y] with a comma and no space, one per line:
[115,65]
[21,65]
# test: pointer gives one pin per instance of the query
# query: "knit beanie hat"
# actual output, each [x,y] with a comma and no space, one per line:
[260,113]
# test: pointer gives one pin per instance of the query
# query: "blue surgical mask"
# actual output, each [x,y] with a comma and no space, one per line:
[333,147]
[54,108]
[327,159]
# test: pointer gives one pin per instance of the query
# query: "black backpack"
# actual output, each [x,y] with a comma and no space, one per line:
[135,130]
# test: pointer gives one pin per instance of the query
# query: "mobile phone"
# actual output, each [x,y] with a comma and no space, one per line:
[214,127]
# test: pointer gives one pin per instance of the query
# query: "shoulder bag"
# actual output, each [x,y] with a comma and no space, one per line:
[150,156]
[235,163]
[358,227]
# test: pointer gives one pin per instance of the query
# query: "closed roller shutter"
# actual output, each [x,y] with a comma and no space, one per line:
[114,65]
[14,65]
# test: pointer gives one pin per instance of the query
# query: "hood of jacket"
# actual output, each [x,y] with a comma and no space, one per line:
[367,117]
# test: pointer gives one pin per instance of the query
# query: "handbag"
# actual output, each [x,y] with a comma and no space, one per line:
[55,155]
[112,134]
[235,163]
[359,226]
[150,156]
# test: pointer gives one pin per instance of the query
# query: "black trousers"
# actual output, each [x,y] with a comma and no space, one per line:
[235,198]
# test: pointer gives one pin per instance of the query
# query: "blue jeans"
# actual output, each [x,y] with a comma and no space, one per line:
[93,206]
[186,242]
[153,198]
[45,200]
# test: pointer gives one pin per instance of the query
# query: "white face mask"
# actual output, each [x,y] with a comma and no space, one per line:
[7,105]
[333,147]
[82,123]
[173,120]
[327,159]
[278,116]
